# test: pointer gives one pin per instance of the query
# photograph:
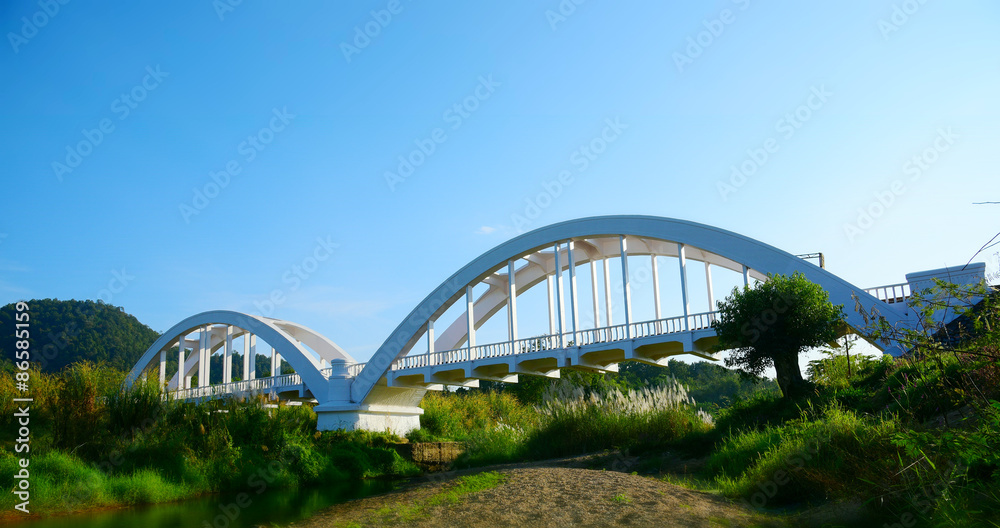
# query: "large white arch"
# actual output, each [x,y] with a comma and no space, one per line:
[718,246]
[281,335]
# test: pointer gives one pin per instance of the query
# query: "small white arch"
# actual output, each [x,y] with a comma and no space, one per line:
[272,331]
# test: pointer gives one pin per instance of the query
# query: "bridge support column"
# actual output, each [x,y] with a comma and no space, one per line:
[574,309]
[628,294]
[205,349]
[656,288]
[253,357]
[180,363]
[393,409]
[163,367]
[561,315]
[593,292]
[246,356]
[606,264]
[708,282]
[274,361]
[470,317]
[227,358]
[511,304]
[430,336]
[684,285]
[549,279]
[746,275]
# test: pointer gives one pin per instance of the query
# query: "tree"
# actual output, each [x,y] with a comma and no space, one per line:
[770,324]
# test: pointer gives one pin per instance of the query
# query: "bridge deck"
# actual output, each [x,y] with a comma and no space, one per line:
[571,347]
[538,355]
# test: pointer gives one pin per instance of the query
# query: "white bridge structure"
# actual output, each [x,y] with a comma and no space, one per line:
[384,392]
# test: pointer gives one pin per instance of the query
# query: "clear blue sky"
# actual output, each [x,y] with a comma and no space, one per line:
[179,87]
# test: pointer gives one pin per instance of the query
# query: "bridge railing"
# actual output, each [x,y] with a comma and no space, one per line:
[671,325]
[352,370]
[602,335]
[891,294]
[254,385]
[608,334]
[591,336]
[534,344]
[703,321]
[658,327]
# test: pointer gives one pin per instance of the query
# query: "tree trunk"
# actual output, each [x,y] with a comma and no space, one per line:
[789,377]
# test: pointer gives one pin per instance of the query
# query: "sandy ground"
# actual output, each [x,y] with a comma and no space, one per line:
[552,493]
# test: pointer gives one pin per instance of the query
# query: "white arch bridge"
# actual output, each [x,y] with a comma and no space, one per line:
[385,392]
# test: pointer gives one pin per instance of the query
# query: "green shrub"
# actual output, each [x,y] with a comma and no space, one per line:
[836,454]
[456,416]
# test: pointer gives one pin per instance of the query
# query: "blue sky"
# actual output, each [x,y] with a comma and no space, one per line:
[121,121]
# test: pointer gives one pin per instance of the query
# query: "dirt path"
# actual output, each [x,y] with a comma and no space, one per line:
[554,493]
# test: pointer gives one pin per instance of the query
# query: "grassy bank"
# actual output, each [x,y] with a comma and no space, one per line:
[571,418]
[96,445]
[913,441]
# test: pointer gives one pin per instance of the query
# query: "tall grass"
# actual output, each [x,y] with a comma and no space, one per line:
[97,444]
[458,416]
[832,453]
[577,421]
[572,419]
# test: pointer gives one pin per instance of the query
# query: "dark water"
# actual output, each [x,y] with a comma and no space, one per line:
[273,507]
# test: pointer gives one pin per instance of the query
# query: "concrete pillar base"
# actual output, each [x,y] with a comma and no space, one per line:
[383,418]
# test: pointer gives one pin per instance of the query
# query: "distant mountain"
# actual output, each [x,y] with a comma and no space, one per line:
[64,332]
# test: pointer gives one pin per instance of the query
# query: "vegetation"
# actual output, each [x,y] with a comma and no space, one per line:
[68,332]
[709,384]
[912,439]
[572,418]
[772,323]
[64,332]
[96,444]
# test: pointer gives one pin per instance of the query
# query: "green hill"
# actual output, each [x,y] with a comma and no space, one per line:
[64,332]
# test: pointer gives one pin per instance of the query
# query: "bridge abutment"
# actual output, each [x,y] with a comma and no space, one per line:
[383,418]
[392,409]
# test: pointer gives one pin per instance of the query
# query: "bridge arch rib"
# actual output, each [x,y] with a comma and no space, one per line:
[285,337]
[656,235]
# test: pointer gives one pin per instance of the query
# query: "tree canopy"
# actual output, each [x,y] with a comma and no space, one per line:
[65,332]
[771,323]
